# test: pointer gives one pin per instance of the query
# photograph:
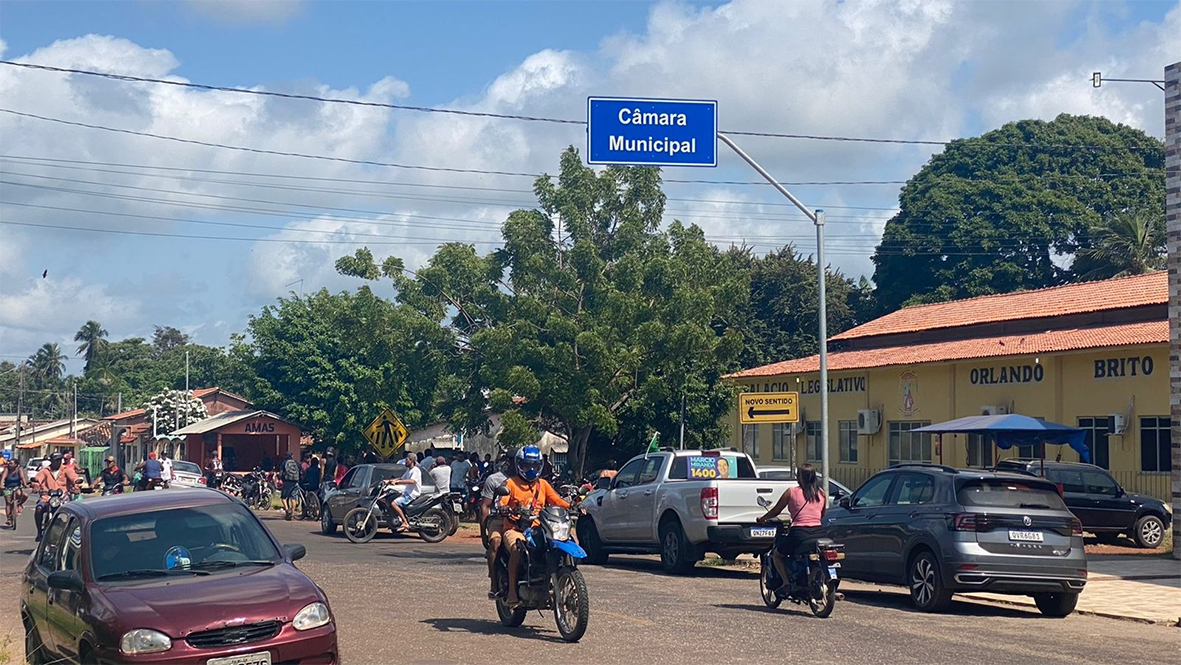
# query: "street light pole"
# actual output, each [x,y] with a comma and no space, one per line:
[817,219]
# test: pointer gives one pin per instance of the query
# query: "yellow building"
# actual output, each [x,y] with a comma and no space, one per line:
[1092,355]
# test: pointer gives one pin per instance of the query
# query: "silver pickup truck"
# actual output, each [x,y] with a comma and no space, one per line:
[680,504]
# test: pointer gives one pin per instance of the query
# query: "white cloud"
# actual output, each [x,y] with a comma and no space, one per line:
[241,12]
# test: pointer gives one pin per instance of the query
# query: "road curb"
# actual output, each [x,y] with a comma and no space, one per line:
[1097,613]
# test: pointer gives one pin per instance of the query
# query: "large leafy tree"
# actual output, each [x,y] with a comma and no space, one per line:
[171,410]
[333,362]
[994,214]
[167,338]
[93,341]
[594,330]
[1131,243]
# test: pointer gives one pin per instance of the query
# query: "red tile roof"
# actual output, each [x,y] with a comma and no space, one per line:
[1119,293]
[1093,337]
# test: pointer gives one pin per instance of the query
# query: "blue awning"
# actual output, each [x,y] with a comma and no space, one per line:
[1016,430]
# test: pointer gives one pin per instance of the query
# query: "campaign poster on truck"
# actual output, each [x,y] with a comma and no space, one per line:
[711,467]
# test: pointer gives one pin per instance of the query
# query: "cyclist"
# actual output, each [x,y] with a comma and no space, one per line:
[50,478]
[12,478]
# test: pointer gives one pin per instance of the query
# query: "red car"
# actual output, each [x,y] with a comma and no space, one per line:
[184,576]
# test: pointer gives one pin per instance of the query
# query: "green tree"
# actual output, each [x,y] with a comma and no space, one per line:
[93,343]
[48,365]
[1130,243]
[992,214]
[595,336]
[167,338]
[333,362]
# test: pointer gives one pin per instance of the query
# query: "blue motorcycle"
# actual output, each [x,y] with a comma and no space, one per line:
[549,577]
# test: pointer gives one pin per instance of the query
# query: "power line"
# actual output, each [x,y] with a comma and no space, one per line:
[529,118]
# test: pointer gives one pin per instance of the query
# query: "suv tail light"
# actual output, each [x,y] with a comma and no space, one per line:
[1076,527]
[970,522]
[1061,490]
[709,503]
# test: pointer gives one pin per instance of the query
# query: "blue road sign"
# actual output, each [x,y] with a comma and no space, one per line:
[651,132]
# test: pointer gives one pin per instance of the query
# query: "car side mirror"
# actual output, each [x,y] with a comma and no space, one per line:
[295,551]
[846,502]
[501,491]
[1119,491]
[68,580]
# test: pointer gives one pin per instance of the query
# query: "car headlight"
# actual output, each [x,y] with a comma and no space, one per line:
[144,640]
[311,616]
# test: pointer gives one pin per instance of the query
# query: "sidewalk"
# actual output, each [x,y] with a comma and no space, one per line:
[1123,587]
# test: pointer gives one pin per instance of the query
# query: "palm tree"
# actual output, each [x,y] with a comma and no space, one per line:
[1132,243]
[48,364]
[91,335]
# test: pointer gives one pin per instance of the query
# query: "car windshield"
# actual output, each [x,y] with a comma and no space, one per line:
[1006,493]
[186,467]
[199,539]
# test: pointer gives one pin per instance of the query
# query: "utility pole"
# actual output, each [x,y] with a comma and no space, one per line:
[186,371]
[682,418]
[74,419]
[119,404]
[818,220]
[20,405]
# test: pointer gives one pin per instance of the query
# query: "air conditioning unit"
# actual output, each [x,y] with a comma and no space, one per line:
[994,410]
[869,421]
[1117,423]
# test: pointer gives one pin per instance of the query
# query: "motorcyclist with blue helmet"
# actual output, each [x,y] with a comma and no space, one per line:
[526,489]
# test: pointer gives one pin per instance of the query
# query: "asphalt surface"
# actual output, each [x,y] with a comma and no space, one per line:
[401,600]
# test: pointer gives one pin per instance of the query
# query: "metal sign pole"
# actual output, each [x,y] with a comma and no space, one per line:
[817,219]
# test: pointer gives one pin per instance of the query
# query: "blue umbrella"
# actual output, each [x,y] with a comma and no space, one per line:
[1016,430]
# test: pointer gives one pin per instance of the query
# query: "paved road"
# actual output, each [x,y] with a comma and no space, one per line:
[400,600]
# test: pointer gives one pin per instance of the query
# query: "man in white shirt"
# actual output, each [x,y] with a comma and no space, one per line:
[165,470]
[412,479]
[440,475]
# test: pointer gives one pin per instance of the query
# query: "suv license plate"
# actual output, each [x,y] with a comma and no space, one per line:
[762,532]
[259,658]
[1026,536]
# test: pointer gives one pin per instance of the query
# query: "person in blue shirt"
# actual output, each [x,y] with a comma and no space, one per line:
[152,472]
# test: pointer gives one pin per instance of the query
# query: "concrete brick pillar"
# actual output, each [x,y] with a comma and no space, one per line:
[1173,224]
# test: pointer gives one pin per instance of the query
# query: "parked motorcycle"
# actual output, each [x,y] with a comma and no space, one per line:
[815,577]
[256,491]
[549,577]
[426,516]
[455,510]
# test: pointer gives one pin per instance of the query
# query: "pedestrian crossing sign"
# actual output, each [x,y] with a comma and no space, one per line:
[386,434]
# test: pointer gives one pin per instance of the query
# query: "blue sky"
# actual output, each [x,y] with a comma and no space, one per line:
[929,70]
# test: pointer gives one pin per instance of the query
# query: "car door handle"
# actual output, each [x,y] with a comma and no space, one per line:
[623,495]
[647,492]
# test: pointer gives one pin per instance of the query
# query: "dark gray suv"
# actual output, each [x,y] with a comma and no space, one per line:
[939,530]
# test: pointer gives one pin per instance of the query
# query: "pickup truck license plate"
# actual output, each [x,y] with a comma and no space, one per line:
[762,532]
[1026,536]
[259,658]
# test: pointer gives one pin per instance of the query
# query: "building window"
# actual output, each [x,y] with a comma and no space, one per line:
[907,446]
[1096,428]
[750,441]
[812,445]
[979,451]
[780,441]
[1033,450]
[1154,445]
[848,430]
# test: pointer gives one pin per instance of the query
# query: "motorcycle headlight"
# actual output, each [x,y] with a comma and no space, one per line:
[559,530]
[55,502]
[144,640]
[311,616]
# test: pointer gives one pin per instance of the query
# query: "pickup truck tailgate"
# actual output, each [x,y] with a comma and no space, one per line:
[741,501]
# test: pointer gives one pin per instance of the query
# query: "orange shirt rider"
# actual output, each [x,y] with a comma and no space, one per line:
[64,478]
[537,494]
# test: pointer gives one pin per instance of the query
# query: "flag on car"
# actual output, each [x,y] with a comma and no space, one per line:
[654,446]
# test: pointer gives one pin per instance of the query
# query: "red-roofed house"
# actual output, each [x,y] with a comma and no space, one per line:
[138,439]
[1092,355]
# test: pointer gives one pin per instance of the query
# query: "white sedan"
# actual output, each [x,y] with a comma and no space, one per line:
[186,474]
[835,490]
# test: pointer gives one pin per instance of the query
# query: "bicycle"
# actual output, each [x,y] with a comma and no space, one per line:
[309,503]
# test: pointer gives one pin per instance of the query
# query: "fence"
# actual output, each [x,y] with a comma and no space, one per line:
[1157,485]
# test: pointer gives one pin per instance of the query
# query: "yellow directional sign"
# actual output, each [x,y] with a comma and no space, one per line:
[386,434]
[757,408]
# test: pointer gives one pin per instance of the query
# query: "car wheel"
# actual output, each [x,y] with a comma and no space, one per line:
[34,647]
[588,537]
[1055,604]
[677,554]
[327,526]
[927,590]
[1150,531]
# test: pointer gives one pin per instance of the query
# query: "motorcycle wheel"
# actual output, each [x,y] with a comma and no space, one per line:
[509,617]
[571,604]
[360,526]
[434,525]
[454,519]
[767,582]
[822,592]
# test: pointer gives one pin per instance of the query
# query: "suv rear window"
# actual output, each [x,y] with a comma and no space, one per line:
[1008,493]
[712,467]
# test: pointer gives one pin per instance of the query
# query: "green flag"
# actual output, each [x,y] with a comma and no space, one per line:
[654,446]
